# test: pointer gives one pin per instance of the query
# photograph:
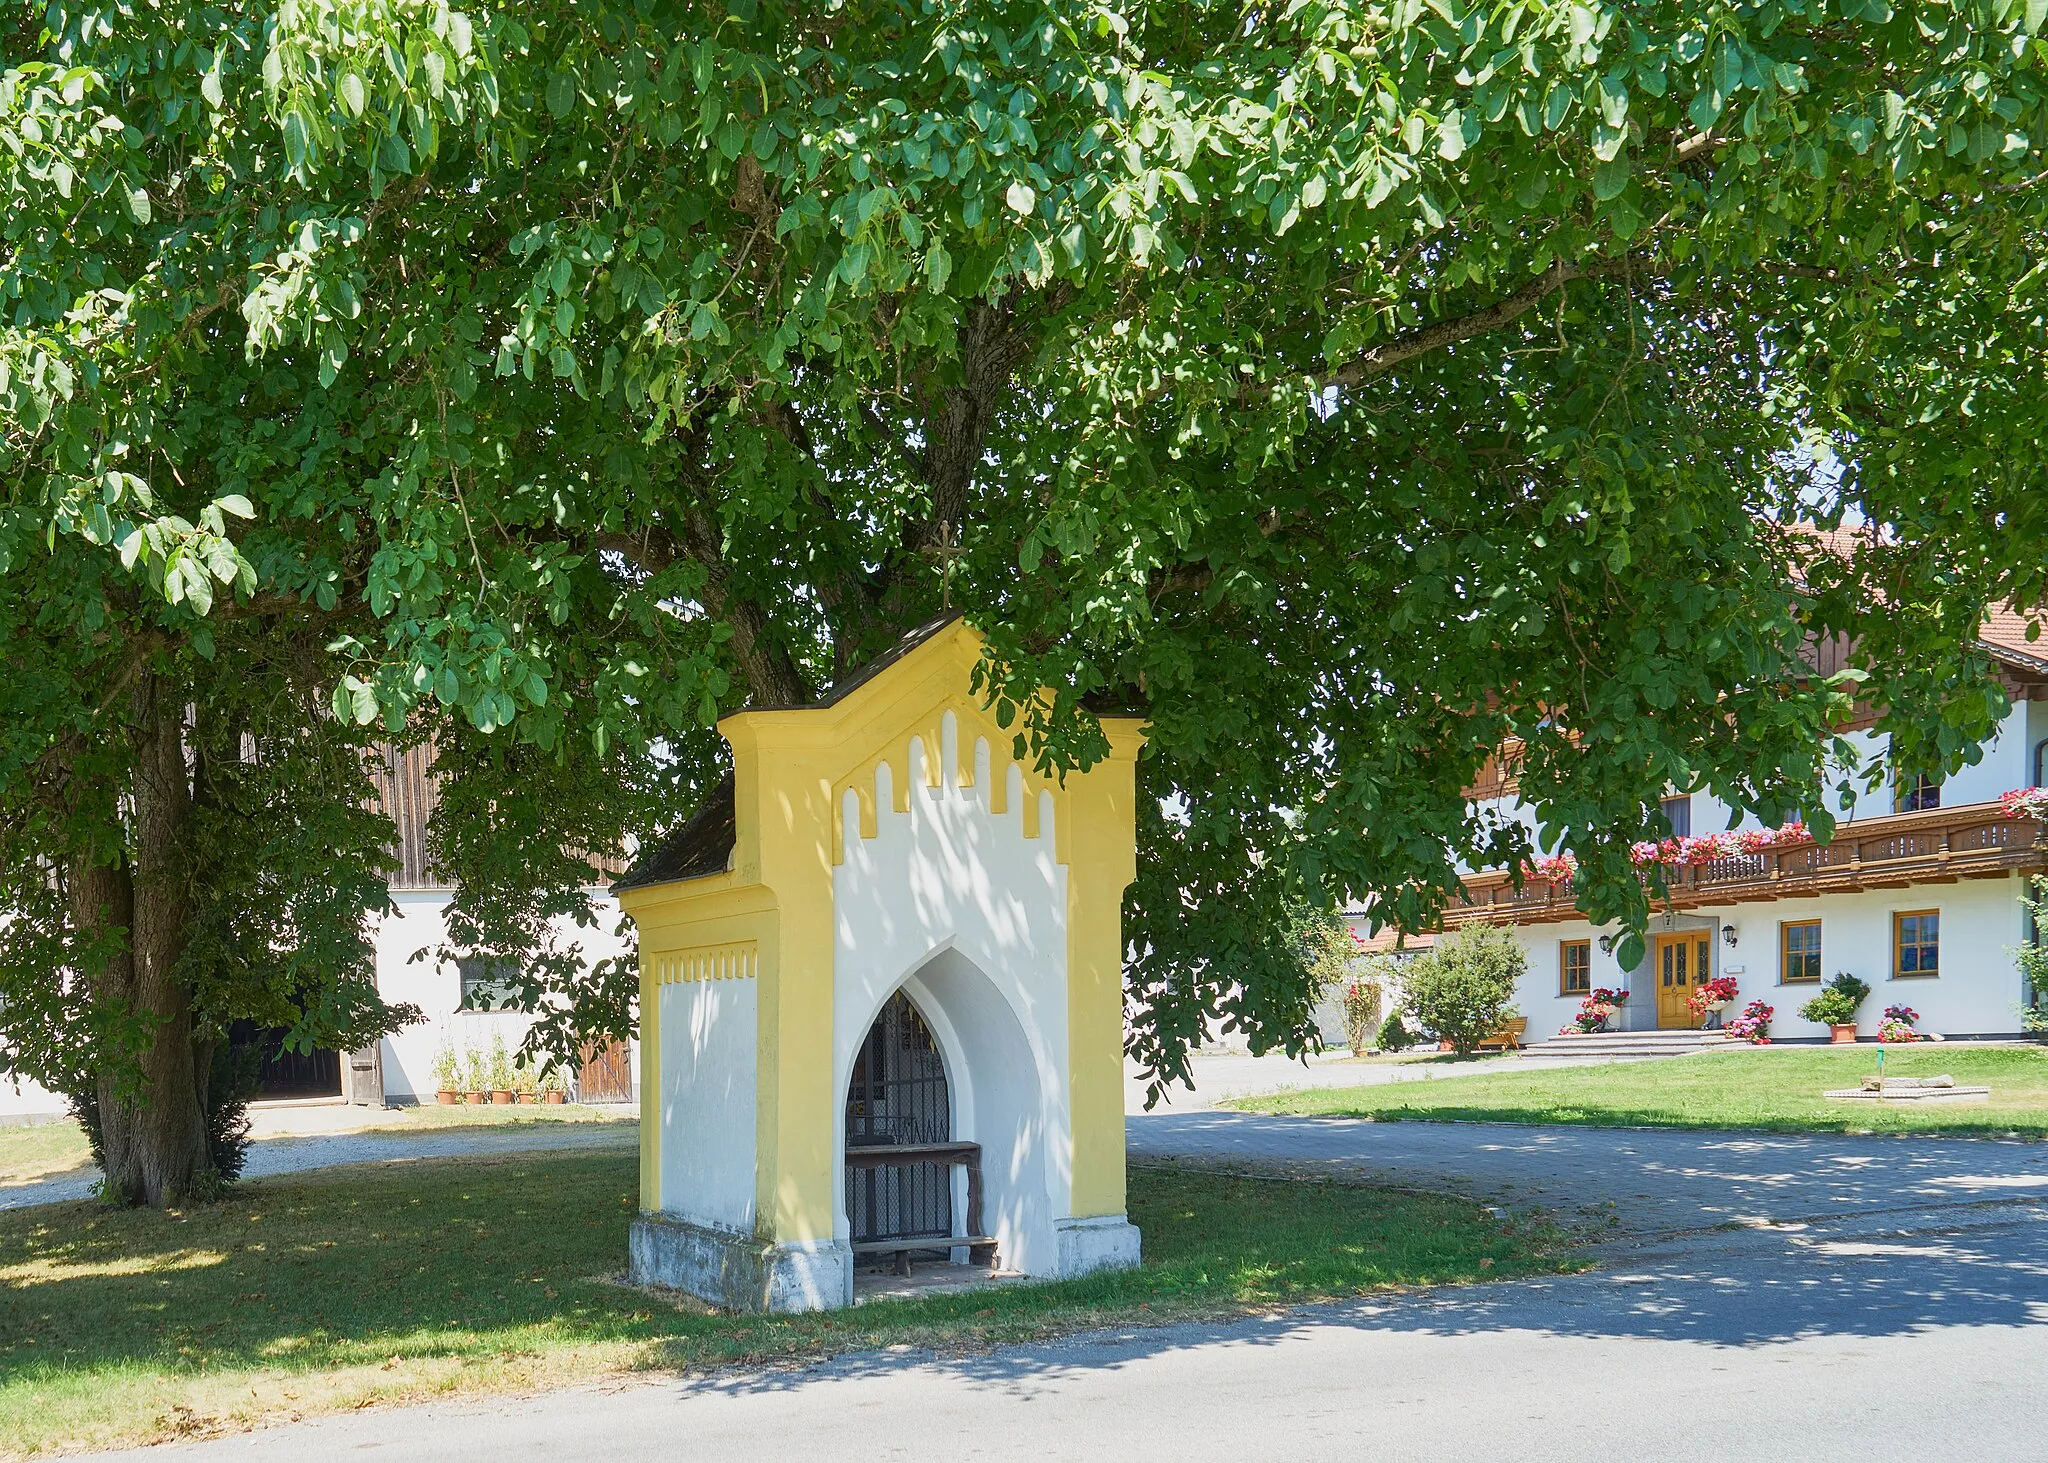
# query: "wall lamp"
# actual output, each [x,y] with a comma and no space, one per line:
[1728,936]
[1607,944]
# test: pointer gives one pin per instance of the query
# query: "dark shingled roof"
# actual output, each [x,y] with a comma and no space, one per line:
[701,847]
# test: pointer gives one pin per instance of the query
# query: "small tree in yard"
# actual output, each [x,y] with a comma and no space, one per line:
[1462,990]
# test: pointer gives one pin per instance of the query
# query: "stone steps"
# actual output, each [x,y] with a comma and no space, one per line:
[1633,1044]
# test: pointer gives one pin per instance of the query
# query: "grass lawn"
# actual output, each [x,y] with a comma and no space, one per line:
[41,1152]
[1778,1090]
[344,1288]
[50,1149]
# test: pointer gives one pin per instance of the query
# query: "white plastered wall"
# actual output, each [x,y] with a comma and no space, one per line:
[709,1073]
[1976,994]
[420,923]
[951,902]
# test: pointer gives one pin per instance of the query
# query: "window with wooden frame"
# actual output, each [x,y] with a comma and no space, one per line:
[1917,793]
[1916,944]
[1575,967]
[1799,952]
[1677,814]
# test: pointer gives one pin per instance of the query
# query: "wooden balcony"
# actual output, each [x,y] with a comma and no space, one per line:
[1940,846]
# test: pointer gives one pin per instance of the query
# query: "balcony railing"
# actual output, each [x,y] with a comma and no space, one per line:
[1939,846]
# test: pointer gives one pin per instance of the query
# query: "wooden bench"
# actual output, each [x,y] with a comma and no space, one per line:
[1508,1038]
[981,1248]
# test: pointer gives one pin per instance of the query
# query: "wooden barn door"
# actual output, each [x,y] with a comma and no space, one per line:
[606,1074]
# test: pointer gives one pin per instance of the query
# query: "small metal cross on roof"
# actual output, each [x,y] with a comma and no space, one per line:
[946,548]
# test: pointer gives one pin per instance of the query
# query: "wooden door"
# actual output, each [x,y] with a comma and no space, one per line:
[1684,961]
[606,1074]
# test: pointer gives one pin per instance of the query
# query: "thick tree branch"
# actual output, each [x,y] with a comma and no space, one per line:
[1505,311]
[772,675]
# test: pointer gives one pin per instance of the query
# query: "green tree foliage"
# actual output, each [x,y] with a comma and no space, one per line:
[1350,385]
[1463,989]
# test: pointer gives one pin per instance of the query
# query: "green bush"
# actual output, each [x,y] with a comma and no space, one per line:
[1838,1001]
[1463,989]
[1394,1037]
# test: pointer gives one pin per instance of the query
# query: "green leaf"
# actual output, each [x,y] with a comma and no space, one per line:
[352,93]
[561,93]
[138,205]
[1021,198]
[1610,179]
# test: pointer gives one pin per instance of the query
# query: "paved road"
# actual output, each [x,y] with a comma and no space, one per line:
[1656,1180]
[1858,1339]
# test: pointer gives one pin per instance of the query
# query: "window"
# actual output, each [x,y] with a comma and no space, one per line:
[1799,951]
[486,984]
[2040,763]
[1918,792]
[1574,967]
[1678,817]
[1916,943]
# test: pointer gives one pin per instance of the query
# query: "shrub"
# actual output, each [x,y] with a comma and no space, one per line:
[476,1071]
[1463,988]
[1395,1037]
[1365,998]
[1837,1003]
[232,1079]
[2032,959]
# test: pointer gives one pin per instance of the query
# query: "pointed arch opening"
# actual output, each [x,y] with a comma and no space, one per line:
[898,1096]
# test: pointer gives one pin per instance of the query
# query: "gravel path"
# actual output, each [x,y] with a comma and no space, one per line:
[269,1156]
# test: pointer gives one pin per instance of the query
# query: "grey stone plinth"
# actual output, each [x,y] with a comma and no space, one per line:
[741,1272]
[1106,1243]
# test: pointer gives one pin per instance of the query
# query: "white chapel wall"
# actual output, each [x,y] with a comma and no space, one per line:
[956,897]
[708,1067]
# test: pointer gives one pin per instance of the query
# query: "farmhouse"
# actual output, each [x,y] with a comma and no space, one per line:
[1919,892]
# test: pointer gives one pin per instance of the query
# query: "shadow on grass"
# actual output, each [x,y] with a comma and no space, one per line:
[488,1258]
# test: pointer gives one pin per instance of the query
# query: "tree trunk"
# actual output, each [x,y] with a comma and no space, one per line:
[153,1135]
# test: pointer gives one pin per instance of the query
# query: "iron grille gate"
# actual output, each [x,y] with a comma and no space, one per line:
[898,1096]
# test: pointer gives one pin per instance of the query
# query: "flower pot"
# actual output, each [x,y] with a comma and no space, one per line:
[1843,1035]
[447,1097]
[556,1099]
[478,1099]
[1445,1046]
[501,1097]
[527,1099]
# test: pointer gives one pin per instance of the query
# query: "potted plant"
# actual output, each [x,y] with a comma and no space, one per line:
[447,1074]
[500,1072]
[553,1090]
[1754,1024]
[1713,997]
[475,1078]
[1835,1007]
[1897,1024]
[526,1083]
[1595,1012]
